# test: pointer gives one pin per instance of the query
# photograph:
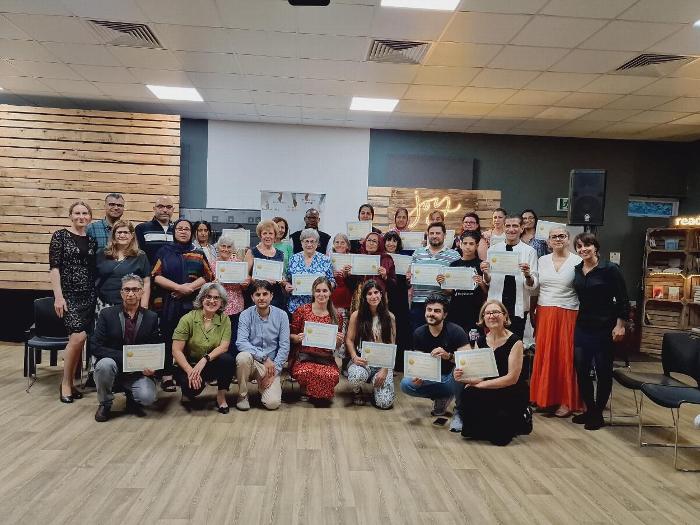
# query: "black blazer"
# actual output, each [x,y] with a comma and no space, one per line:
[108,337]
[322,242]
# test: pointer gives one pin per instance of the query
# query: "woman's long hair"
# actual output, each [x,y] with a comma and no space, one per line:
[331,309]
[364,317]
[132,250]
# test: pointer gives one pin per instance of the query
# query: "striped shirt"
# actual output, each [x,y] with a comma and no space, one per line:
[424,256]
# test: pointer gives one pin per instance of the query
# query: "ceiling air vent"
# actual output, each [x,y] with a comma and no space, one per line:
[654,65]
[397,51]
[126,34]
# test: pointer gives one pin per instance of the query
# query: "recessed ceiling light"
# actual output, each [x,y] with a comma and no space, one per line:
[175,93]
[697,24]
[435,5]
[373,104]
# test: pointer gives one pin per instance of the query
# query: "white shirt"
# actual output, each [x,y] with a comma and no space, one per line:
[527,254]
[557,287]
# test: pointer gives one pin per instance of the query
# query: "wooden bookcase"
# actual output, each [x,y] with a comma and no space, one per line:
[669,302]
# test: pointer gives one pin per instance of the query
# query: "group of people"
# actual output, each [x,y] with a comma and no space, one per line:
[115,284]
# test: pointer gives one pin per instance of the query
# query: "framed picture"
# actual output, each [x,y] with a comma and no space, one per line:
[652,207]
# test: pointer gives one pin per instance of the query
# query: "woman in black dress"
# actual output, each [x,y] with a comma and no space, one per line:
[72,256]
[497,409]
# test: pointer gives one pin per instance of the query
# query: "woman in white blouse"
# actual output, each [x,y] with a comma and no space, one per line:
[553,383]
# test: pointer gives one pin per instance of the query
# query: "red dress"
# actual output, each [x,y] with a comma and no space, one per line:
[314,368]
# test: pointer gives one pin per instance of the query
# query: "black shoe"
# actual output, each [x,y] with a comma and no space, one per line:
[595,421]
[223,409]
[102,413]
[580,419]
[132,407]
[76,394]
[64,399]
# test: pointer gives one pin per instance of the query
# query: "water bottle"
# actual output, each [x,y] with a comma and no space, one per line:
[473,337]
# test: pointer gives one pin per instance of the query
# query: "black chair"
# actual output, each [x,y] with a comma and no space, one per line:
[686,348]
[47,333]
[671,361]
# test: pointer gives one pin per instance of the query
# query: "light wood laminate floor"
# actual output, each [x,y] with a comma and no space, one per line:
[305,465]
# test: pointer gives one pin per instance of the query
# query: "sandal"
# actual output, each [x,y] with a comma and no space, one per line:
[168,385]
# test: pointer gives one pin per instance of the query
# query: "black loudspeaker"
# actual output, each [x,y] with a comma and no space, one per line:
[587,197]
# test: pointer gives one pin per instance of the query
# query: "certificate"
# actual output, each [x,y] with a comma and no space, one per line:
[459,278]
[504,262]
[320,335]
[241,237]
[449,237]
[136,358]
[267,270]
[402,263]
[380,355]
[302,283]
[426,274]
[543,227]
[359,230]
[341,260]
[412,240]
[422,365]
[231,272]
[477,363]
[365,264]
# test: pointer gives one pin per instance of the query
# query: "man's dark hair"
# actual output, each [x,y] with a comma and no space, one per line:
[435,298]
[257,284]
[440,225]
[470,235]
[519,218]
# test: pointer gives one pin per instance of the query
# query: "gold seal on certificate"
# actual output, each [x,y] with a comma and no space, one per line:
[504,262]
[426,274]
[402,263]
[365,264]
[543,227]
[412,240]
[379,355]
[231,272]
[358,230]
[422,365]
[137,358]
[302,282]
[476,364]
[267,270]
[320,335]
[241,237]
[340,260]
[459,278]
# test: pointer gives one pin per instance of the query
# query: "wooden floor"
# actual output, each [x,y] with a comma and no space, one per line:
[306,465]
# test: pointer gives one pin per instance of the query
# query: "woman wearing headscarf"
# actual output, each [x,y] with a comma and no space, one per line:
[373,244]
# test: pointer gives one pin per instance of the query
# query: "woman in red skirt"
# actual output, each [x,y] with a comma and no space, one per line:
[315,368]
[553,383]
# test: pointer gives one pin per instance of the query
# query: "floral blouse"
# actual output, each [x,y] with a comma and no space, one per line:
[234,293]
[301,315]
[75,257]
[320,264]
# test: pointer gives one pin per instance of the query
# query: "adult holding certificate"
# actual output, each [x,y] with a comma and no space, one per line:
[124,324]
[312,366]
[529,235]
[307,262]
[342,293]
[371,322]
[226,250]
[398,301]
[496,410]
[386,276]
[365,213]
[266,251]
[440,339]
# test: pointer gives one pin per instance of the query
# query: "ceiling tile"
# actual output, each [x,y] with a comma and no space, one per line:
[72,87]
[679,87]
[325,101]
[161,77]
[621,84]
[226,95]
[382,90]
[587,61]
[44,28]
[24,50]
[378,72]
[328,69]
[530,58]
[684,42]
[326,87]
[50,101]
[584,126]
[123,10]
[126,91]
[333,47]
[611,115]
[272,66]
[279,111]
[692,70]
[411,24]
[275,98]
[495,125]
[268,43]
[218,80]
[104,74]
[190,38]
[462,55]
[145,58]
[207,62]
[468,109]
[556,31]
[639,102]
[426,92]
[324,114]
[562,113]
[689,120]
[682,11]
[7,70]
[561,81]
[182,12]
[587,100]
[335,19]
[483,28]
[10,30]
[42,8]
[44,69]
[531,97]
[22,85]
[622,35]
[516,111]
[233,108]
[403,121]
[625,128]
[445,75]
[244,14]
[537,125]
[657,117]
[503,78]
[282,84]
[487,95]
[587,9]
[454,125]
[432,107]
[502,6]
[682,104]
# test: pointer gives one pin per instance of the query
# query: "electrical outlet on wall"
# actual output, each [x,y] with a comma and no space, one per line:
[615,257]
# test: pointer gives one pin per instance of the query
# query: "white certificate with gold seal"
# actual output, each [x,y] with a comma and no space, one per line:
[340,260]
[402,263]
[504,262]
[426,274]
[241,237]
[476,363]
[365,264]
[359,229]
[320,335]
[267,270]
[412,240]
[422,365]
[302,283]
[380,355]
[137,358]
[231,272]
[459,278]
[543,228]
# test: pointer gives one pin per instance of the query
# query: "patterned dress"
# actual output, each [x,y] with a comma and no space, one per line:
[320,264]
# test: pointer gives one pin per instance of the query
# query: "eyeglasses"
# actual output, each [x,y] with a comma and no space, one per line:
[494,313]
[115,205]
[559,237]
[375,241]
[127,291]
[164,206]
[183,229]
[212,298]
[469,222]
[309,241]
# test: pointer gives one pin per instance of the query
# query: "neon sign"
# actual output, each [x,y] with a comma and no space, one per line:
[686,221]
[429,205]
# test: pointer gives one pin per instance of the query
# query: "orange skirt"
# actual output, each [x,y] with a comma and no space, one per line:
[553,379]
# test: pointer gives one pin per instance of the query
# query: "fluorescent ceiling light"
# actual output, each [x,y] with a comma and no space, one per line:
[373,104]
[175,93]
[436,5]
[697,24]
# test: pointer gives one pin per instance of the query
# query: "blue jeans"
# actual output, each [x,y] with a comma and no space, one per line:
[432,390]
[417,316]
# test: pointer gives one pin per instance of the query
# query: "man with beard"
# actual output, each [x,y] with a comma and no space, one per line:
[440,339]
[311,220]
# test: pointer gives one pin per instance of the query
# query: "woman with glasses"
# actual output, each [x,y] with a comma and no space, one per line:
[496,409]
[234,292]
[553,382]
[472,223]
[202,240]
[265,249]
[529,232]
[121,257]
[307,261]
[200,346]
[373,244]
[180,271]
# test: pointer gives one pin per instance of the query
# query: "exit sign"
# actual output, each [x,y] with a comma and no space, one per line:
[562,203]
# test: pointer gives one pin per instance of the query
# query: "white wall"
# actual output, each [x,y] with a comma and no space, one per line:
[244,158]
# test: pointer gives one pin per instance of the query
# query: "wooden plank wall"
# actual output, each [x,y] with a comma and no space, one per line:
[421,201]
[51,157]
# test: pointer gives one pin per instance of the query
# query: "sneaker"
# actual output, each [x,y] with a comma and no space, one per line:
[595,421]
[580,419]
[440,406]
[243,403]
[132,407]
[456,424]
[102,413]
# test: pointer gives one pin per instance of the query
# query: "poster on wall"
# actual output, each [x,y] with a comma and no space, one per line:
[290,205]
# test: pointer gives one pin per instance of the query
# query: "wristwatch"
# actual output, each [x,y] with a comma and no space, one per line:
[208,359]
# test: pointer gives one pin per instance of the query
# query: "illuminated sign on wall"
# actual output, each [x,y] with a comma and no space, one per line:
[686,221]
[424,207]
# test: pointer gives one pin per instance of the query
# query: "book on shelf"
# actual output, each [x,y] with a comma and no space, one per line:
[674,293]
